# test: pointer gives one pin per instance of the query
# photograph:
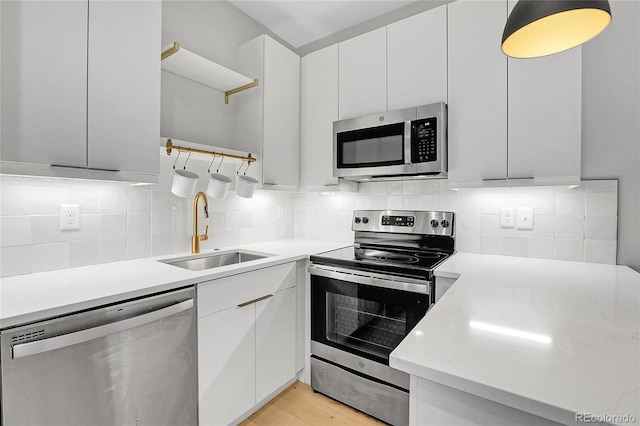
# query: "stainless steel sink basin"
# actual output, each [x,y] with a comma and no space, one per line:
[214,260]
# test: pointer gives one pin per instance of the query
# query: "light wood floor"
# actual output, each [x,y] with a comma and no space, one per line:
[299,405]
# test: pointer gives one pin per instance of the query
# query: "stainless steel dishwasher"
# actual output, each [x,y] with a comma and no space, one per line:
[131,363]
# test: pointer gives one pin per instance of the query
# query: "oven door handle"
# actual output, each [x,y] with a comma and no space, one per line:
[375,280]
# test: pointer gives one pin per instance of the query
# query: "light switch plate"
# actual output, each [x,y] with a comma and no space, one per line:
[69,217]
[525,218]
[507,217]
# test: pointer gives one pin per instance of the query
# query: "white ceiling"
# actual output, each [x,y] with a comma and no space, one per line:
[300,22]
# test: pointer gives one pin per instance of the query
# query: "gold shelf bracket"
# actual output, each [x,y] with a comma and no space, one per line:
[228,93]
[170,51]
[170,147]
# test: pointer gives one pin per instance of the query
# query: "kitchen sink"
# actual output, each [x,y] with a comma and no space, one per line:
[214,260]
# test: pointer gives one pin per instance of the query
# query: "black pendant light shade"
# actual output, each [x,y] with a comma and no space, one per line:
[543,27]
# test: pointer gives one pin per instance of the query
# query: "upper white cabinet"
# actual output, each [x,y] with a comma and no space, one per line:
[319,111]
[123,123]
[417,60]
[44,82]
[477,108]
[513,120]
[268,117]
[363,74]
[81,87]
[545,98]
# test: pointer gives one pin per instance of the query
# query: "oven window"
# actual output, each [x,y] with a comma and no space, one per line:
[370,326]
[377,146]
[363,320]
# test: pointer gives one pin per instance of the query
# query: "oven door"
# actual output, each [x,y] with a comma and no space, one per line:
[364,314]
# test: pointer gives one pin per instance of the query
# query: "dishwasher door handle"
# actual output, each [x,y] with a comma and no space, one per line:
[39,346]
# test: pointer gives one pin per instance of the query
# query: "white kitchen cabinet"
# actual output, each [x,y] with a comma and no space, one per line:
[417,59]
[275,342]
[81,88]
[44,82]
[477,109]
[246,341]
[515,121]
[545,106]
[363,74]
[226,364]
[268,117]
[319,111]
[123,127]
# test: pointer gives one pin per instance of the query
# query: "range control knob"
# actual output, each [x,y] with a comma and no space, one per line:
[365,220]
[444,223]
[356,219]
[434,223]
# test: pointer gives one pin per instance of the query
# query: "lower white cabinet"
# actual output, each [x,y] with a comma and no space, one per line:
[246,341]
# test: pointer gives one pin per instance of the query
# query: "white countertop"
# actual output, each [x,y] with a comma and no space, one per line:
[585,319]
[33,297]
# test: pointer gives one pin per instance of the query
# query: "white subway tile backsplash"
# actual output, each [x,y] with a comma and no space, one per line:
[394,202]
[15,197]
[138,247]
[541,247]
[569,226]
[570,249]
[570,202]
[544,225]
[113,250]
[515,246]
[470,201]
[395,187]
[138,225]
[599,251]
[602,204]
[15,230]
[113,198]
[542,200]
[378,188]
[162,244]
[49,257]
[47,199]
[139,201]
[601,228]
[469,223]
[469,243]
[15,260]
[490,224]
[84,253]
[491,244]
[233,219]
[411,187]
[113,226]
[87,195]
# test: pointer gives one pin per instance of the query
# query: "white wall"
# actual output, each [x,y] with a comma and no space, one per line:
[611,118]
[576,224]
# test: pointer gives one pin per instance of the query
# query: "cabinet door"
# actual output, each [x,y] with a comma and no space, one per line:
[363,74]
[124,85]
[545,105]
[44,82]
[477,106]
[319,111]
[226,365]
[417,59]
[281,123]
[275,342]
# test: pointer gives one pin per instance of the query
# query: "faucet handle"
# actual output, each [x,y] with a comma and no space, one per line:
[205,237]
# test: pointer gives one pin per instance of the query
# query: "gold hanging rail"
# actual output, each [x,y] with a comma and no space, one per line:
[170,147]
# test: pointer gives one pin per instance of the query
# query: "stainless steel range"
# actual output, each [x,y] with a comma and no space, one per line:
[366,298]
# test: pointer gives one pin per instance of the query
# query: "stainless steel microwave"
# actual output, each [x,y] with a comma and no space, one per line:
[410,142]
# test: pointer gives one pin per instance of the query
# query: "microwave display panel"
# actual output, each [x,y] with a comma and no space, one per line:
[377,146]
[424,141]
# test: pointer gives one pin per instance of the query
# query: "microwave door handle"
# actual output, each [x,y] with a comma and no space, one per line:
[407,142]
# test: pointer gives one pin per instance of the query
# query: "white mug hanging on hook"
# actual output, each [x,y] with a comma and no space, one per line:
[184,182]
[245,185]
[218,183]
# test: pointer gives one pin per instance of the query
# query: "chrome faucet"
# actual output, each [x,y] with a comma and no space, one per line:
[195,239]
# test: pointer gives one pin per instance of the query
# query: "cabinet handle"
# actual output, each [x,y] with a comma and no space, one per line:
[523,177]
[254,300]
[493,179]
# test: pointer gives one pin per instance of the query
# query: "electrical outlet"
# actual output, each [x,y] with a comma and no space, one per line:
[69,217]
[525,218]
[507,217]
[279,212]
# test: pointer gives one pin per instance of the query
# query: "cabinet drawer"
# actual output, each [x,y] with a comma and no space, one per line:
[223,293]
